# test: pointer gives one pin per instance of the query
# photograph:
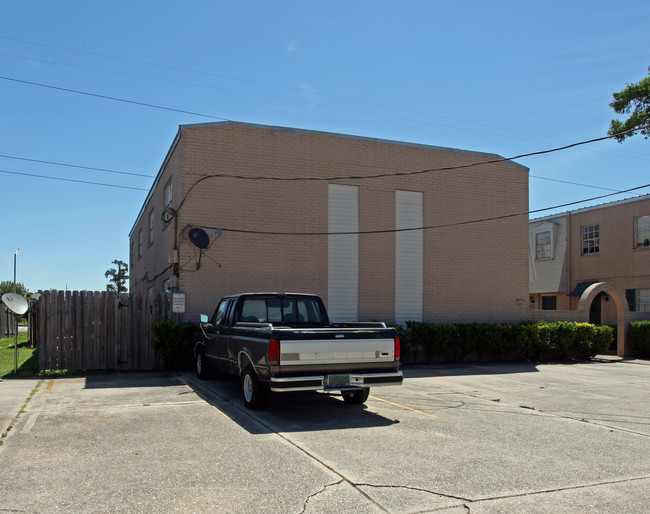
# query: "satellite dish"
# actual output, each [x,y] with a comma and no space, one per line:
[16,303]
[168,214]
[199,238]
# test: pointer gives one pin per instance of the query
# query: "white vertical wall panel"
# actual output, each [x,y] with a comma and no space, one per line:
[343,253]
[409,256]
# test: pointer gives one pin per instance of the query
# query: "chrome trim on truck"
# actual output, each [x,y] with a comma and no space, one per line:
[319,383]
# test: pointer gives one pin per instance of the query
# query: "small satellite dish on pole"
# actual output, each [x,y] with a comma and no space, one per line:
[16,303]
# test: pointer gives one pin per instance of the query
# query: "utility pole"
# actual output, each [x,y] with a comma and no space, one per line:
[16,320]
[15,257]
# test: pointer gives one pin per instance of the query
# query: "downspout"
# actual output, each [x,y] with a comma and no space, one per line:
[176,265]
[570,253]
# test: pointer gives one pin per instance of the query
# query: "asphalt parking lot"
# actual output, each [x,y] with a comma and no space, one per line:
[480,438]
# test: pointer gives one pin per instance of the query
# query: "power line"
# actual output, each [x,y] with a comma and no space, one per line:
[389,174]
[293,89]
[115,99]
[353,177]
[293,100]
[244,177]
[104,170]
[260,83]
[248,81]
[430,227]
[572,183]
[335,178]
[72,180]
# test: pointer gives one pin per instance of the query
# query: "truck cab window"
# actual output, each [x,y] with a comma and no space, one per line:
[274,307]
[254,311]
[220,313]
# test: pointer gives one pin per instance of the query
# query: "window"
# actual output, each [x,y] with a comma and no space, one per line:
[220,313]
[151,227]
[549,303]
[642,232]
[590,239]
[542,240]
[168,193]
[139,243]
[281,310]
[543,247]
[643,300]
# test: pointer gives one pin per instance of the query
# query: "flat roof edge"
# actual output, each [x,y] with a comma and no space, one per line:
[592,208]
[156,180]
[345,136]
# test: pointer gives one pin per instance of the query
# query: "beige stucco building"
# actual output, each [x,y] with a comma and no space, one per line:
[292,210]
[607,244]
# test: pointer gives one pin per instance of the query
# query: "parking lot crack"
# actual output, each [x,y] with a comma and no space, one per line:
[321,491]
[561,489]
[412,488]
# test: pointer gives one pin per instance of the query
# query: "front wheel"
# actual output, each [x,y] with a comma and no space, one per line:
[201,367]
[255,393]
[356,397]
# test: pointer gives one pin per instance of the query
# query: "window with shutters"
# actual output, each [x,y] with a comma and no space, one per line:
[642,232]
[643,300]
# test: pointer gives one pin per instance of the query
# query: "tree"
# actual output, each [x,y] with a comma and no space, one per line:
[117,277]
[7,286]
[635,98]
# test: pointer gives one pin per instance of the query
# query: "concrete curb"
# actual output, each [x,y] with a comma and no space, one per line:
[14,394]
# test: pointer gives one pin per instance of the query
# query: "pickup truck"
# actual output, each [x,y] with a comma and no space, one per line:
[281,342]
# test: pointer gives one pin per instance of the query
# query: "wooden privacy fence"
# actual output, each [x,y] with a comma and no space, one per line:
[96,330]
[7,321]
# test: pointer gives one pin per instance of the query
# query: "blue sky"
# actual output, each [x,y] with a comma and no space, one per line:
[499,77]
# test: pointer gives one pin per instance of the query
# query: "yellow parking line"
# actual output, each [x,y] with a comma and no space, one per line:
[404,407]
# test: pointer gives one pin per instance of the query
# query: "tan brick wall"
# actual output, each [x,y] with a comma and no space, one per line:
[472,272]
[154,267]
[617,263]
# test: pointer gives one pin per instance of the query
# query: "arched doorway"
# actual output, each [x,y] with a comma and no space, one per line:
[596,291]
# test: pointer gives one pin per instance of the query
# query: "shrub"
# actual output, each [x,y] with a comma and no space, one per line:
[431,342]
[604,337]
[640,338]
[174,343]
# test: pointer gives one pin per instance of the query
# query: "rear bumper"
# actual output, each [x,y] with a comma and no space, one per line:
[336,382]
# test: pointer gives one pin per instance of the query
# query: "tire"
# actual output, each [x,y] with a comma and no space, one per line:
[201,366]
[356,397]
[254,392]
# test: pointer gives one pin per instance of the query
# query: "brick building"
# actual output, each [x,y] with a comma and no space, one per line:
[606,244]
[330,233]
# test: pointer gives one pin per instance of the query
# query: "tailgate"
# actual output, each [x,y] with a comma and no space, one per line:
[348,351]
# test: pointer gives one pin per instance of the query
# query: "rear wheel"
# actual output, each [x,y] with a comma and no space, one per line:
[356,397]
[255,393]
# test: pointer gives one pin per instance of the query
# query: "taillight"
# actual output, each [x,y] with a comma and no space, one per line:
[274,352]
[396,350]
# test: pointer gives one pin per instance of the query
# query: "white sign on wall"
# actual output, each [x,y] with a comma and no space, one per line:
[178,302]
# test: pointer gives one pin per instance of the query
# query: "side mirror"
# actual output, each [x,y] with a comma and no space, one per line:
[204,318]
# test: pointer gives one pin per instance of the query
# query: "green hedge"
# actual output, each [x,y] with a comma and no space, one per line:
[640,338]
[175,343]
[432,342]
